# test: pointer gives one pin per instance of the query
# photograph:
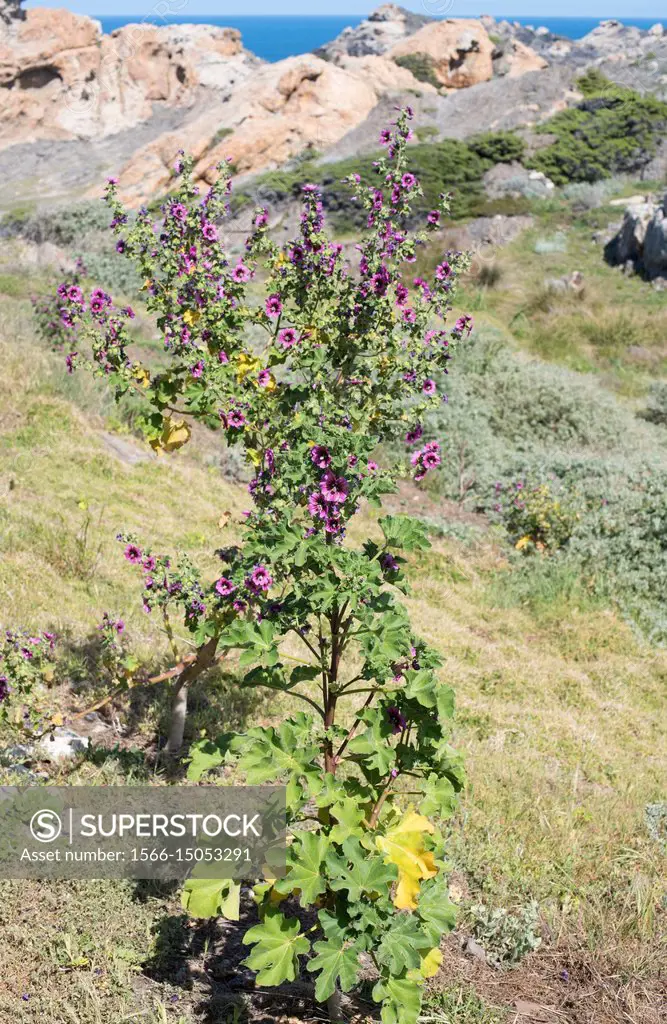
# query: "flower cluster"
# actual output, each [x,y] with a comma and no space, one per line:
[25,661]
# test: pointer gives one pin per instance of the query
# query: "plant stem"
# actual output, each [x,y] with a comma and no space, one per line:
[179,708]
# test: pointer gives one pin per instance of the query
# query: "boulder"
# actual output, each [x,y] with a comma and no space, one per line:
[385,75]
[296,105]
[514,58]
[641,243]
[63,78]
[459,49]
[382,29]
[655,244]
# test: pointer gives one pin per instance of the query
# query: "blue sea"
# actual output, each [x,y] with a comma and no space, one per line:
[274,37]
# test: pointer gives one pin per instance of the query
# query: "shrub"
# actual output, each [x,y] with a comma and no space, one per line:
[506,938]
[449,166]
[309,381]
[498,147]
[66,225]
[615,131]
[422,67]
[536,518]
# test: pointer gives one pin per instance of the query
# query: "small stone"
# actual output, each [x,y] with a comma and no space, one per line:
[62,745]
[474,949]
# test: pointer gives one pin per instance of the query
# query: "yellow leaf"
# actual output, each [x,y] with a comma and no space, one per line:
[246,364]
[431,963]
[254,456]
[403,845]
[147,283]
[141,375]
[224,519]
[191,316]
[57,719]
[521,544]
[175,434]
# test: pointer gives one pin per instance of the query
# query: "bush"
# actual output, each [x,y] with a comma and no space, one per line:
[67,224]
[339,364]
[498,147]
[612,131]
[422,67]
[450,166]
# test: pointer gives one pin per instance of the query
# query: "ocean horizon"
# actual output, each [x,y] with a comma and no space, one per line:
[274,37]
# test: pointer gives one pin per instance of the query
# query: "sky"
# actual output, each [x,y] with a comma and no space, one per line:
[435,8]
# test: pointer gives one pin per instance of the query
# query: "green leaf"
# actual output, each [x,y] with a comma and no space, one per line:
[439,797]
[277,946]
[436,910]
[405,533]
[348,815]
[304,867]
[336,963]
[401,1000]
[305,673]
[359,871]
[211,897]
[423,686]
[400,945]
[205,755]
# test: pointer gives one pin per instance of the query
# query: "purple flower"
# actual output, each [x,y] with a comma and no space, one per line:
[319,456]
[409,315]
[209,231]
[120,246]
[274,306]
[129,312]
[434,217]
[236,419]
[373,467]
[262,219]
[429,386]
[120,627]
[397,720]
[402,294]
[179,211]
[239,605]
[225,587]
[388,562]
[415,434]
[264,378]
[443,271]
[385,136]
[352,461]
[133,554]
[335,488]
[4,688]
[150,563]
[408,181]
[288,337]
[259,579]
[198,369]
[241,273]
[74,294]
[317,505]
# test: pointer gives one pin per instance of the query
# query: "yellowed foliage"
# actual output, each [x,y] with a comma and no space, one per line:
[403,845]
[174,435]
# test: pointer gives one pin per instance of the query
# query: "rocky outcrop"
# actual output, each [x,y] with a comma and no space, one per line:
[641,243]
[385,27]
[60,77]
[514,58]
[459,51]
[297,105]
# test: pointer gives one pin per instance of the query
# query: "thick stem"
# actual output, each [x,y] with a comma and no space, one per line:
[179,708]
[335,1006]
[179,711]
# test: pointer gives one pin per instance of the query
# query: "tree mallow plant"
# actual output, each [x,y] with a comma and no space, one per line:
[311,378]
